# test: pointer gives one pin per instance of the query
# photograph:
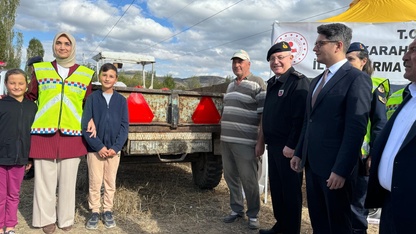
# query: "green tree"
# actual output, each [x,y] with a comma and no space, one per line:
[193,82]
[156,83]
[128,80]
[228,79]
[16,53]
[138,78]
[168,82]
[35,48]
[9,52]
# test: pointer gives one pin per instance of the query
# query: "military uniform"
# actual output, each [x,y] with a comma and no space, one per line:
[376,122]
[378,117]
[282,121]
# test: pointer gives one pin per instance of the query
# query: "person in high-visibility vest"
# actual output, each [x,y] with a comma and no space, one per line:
[60,88]
[357,55]
[394,100]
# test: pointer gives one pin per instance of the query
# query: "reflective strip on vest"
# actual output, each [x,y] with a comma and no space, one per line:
[393,102]
[365,148]
[60,101]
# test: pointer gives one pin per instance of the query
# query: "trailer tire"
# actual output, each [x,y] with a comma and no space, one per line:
[207,170]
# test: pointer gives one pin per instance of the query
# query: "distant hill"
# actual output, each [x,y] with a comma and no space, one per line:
[204,81]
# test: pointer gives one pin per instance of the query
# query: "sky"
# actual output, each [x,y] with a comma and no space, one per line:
[186,37]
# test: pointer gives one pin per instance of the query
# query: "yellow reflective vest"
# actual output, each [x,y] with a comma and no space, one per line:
[383,85]
[60,100]
[394,101]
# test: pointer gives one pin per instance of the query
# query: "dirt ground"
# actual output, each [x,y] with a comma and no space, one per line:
[158,198]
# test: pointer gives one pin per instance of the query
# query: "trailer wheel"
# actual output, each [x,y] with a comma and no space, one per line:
[207,170]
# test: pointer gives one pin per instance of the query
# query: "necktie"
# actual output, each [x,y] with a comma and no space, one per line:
[319,88]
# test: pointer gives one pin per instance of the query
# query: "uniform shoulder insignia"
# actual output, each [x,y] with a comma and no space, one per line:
[382,99]
[298,74]
[381,89]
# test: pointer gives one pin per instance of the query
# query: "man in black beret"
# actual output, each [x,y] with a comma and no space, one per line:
[283,113]
[37,59]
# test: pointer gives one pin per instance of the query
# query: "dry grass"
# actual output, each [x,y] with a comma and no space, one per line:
[158,198]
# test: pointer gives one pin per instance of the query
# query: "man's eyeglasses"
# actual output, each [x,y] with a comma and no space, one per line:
[279,58]
[319,44]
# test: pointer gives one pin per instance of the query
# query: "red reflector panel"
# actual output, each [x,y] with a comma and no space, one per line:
[206,112]
[139,111]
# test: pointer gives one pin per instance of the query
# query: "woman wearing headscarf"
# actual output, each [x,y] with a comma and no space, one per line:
[60,88]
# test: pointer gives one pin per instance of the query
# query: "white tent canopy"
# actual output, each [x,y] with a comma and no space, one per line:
[119,57]
[125,57]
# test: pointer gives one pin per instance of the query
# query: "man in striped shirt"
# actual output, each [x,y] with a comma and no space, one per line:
[243,105]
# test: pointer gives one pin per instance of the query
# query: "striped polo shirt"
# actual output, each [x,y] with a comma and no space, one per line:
[243,105]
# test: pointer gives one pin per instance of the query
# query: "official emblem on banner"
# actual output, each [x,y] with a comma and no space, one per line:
[280,93]
[297,43]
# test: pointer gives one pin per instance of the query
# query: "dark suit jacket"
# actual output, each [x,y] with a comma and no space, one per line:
[334,129]
[403,189]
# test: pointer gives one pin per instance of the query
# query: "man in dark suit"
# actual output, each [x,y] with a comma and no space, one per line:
[392,182]
[337,110]
[283,113]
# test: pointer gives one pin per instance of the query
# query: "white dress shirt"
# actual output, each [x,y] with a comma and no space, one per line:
[398,133]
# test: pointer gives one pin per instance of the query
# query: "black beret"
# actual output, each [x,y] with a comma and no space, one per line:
[278,47]
[36,59]
[357,46]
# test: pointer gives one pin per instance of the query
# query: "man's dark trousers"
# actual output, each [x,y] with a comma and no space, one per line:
[359,212]
[329,210]
[286,191]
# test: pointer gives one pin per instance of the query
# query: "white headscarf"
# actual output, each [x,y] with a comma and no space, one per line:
[65,62]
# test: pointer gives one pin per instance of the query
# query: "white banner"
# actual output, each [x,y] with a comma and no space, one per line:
[386,43]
